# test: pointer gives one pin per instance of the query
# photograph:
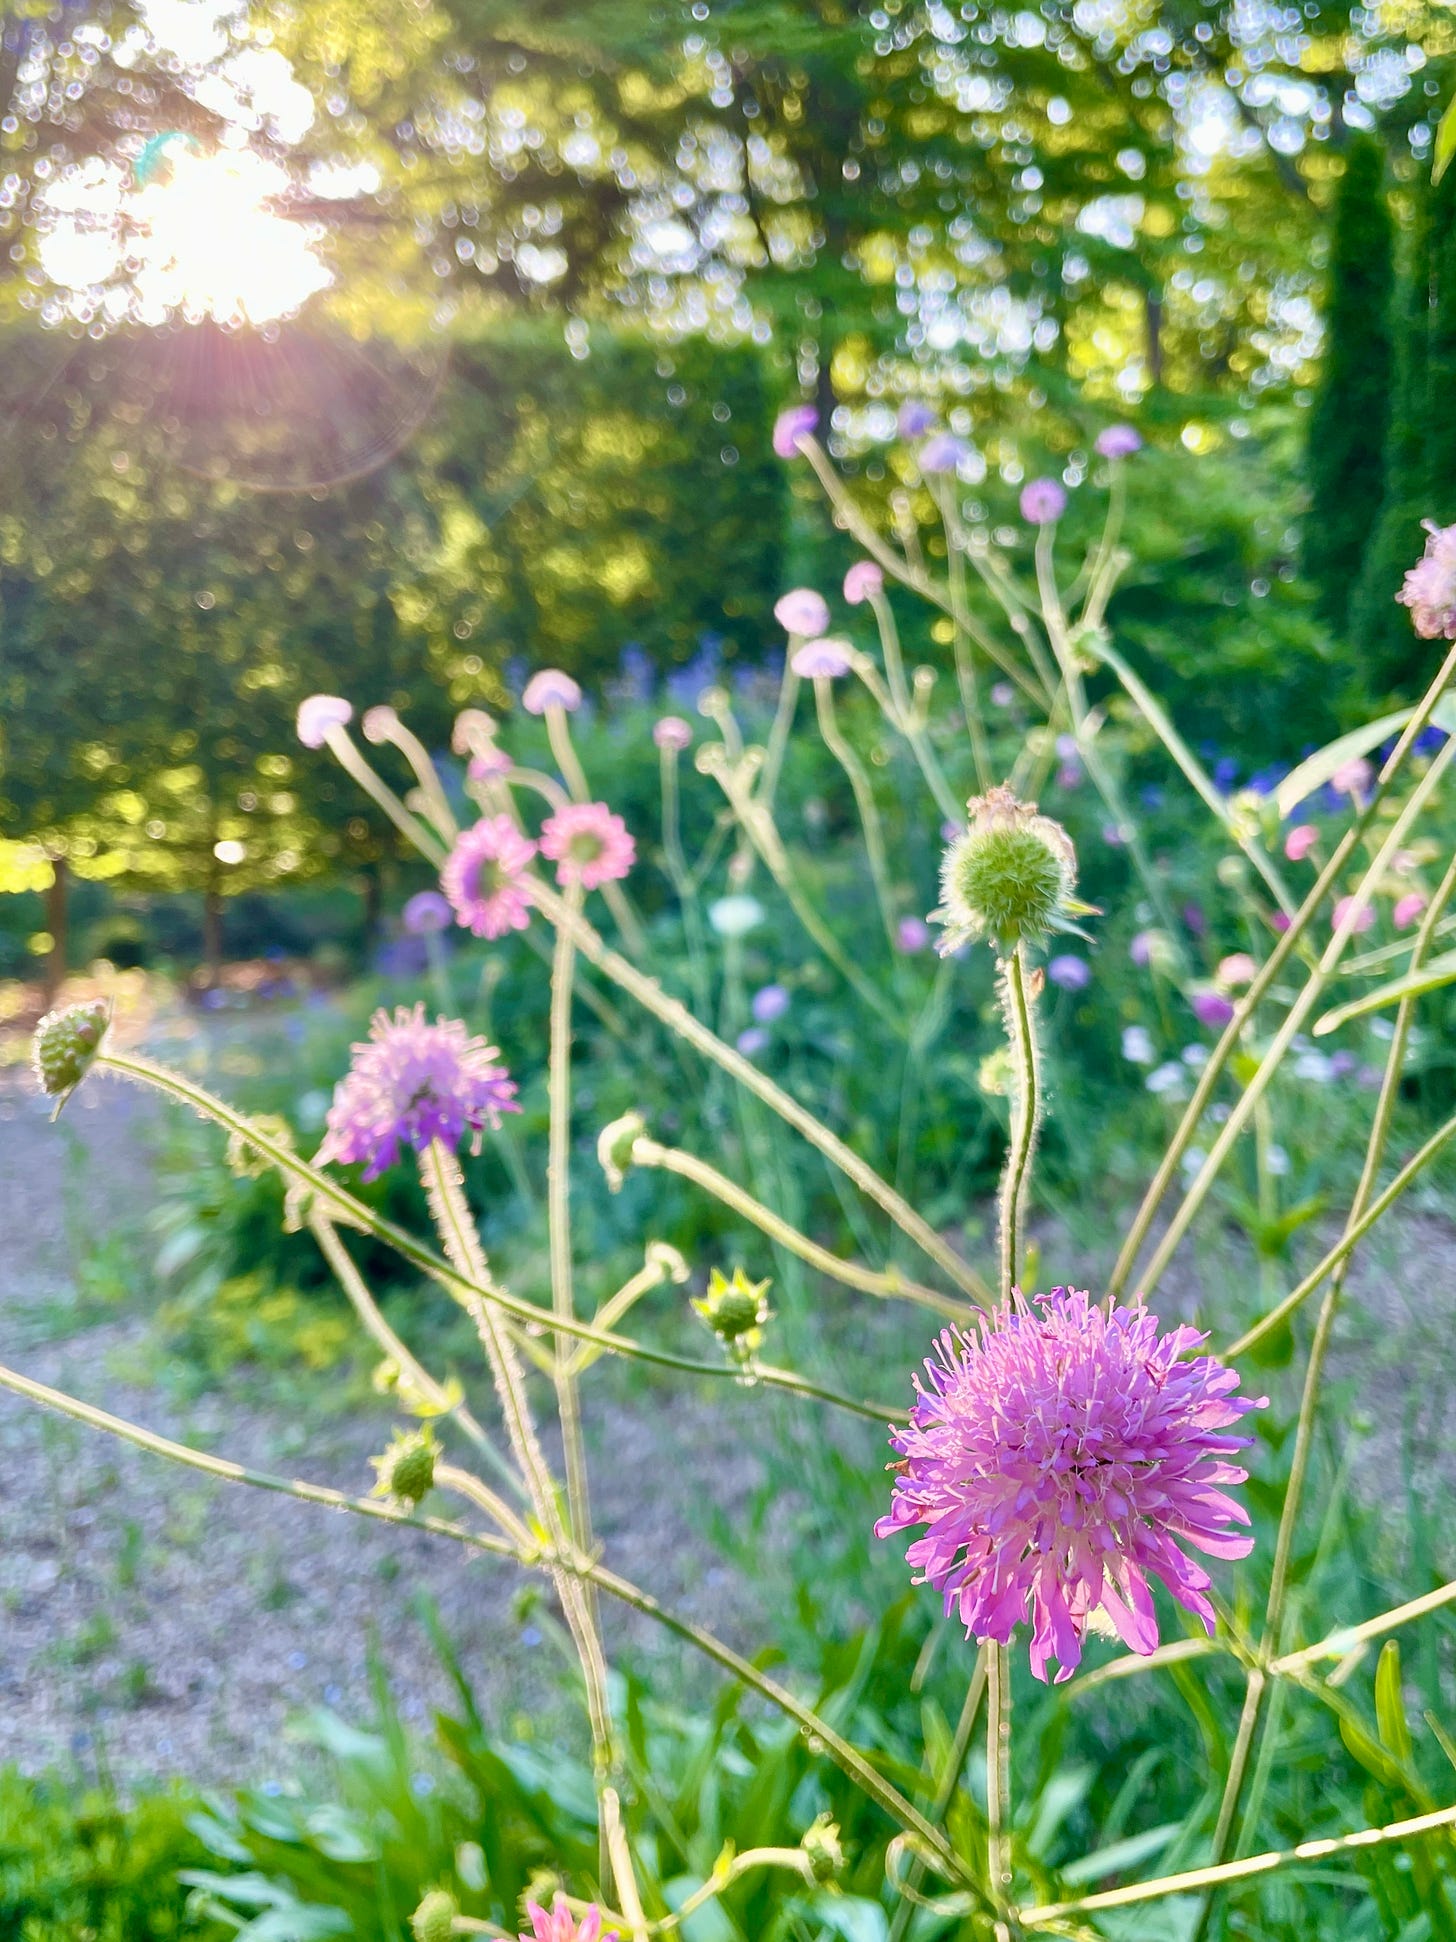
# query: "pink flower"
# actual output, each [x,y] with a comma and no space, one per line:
[1342,910]
[802,612]
[489,764]
[1042,502]
[411,1083]
[672,732]
[426,912]
[912,934]
[550,689]
[484,877]
[1117,442]
[1211,1008]
[1429,589]
[1279,920]
[1407,909]
[1236,969]
[790,426]
[821,659]
[588,845]
[914,418]
[1058,1455]
[1352,778]
[863,580]
[1143,948]
[318,714]
[943,453]
[562,1926]
[1300,841]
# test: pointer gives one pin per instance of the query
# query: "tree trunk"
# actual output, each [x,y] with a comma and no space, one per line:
[58,924]
[212,933]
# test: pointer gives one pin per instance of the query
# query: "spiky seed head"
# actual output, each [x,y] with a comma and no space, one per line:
[65,1044]
[434,1919]
[406,1471]
[822,1846]
[736,1310]
[1008,879]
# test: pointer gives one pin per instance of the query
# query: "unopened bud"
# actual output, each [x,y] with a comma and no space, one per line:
[406,1471]
[822,1846]
[66,1042]
[737,1311]
[614,1147]
[434,1919]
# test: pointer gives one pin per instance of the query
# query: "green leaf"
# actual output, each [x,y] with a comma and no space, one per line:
[1315,771]
[1389,1705]
[1445,145]
[1440,971]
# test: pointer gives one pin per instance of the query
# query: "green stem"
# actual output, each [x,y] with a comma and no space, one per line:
[342,747]
[558,1222]
[864,801]
[1025,1116]
[998,1772]
[950,1778]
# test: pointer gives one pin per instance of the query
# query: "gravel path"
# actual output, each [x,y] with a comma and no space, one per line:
[169,1625]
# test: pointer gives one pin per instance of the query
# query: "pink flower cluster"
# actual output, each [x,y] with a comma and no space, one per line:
[558,1924]
[1429,589]
[1059,1455]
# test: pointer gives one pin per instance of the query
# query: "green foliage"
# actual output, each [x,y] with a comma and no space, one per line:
[1347,427]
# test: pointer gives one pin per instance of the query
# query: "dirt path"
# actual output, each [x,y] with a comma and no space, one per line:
[173,1626]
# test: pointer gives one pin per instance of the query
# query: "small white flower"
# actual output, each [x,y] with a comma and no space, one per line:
[1193,1160]
[1277,1160]
[735,916]
[1168,1079]
[1195,1057]
[1137,1045]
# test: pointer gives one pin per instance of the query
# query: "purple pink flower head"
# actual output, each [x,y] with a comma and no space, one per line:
[912,934]
[862,582]
[560,1925]
[550,689]
[1429,589]
[1117,442]
[799,421]
[1042,501]
[411,1083]
[489,764]
[943,453]
[1211,1008]
[914,418]
[1300,841]
[426,912]
[588,844]
[1407,909]
[672,732]
[484,877]
[1352,778]
[1059,1455]
[1343,907]
[825,658]
[1070,972]
[803,612]
[318,714]
[769,1003]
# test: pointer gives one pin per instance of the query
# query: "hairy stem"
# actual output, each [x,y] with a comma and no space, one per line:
[864,801]
[1025,1115]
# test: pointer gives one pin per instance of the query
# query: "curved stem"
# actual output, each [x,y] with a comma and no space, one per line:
[558,1221]
[864,801]
[1026,1114]
[342,747]
[460,1285]
[889,1283]
[650,995]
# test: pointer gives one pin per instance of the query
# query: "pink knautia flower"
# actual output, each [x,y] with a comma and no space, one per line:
[1117,442]
[914,418]
[823,659]
[1141,949]
[943,453]
[1058,1455]
[769,1003]
[1300,841]
[560,1925]
[318,714]
[1407,909]
[588,845]
[484,877]
[1429,589]
[1238,968]
[753,1042]
[1070,972]
[1352,778]
[1211,1008]
[912,934]
[1280,920]
[1003,694]
[1042,501]
[790,426]
[672,732]
[550,688]
[427,912]
[412,1082]
[803,612]
[863,580]
[489,764]
[1342,909]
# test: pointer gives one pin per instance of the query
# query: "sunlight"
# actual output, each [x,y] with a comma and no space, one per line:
[198,238]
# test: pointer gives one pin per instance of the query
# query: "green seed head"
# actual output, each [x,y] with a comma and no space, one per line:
[407,1468]
[736,1310]
[822,1846]
[434,1919]
[66,1042]
[1009,879]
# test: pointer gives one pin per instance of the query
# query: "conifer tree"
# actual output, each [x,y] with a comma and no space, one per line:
[1348,426]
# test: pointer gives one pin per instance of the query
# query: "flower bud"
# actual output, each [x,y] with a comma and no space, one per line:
[821,1844]
[434,1919]
[736,1311]
[1008,879]
[406,1471]
[65,1044]
[614,1147]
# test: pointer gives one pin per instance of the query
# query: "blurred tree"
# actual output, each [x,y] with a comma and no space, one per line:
[1348,425]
